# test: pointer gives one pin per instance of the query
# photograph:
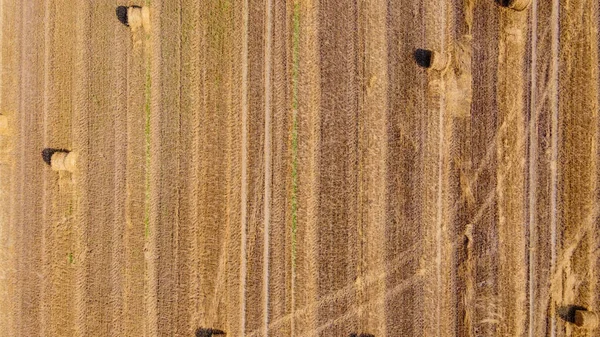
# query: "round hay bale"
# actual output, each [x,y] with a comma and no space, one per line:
[439,61]
[146,18]
[134,17]
[586,319]
[57,162]
[519,5]
[71,161]
[64,161]
[3,125]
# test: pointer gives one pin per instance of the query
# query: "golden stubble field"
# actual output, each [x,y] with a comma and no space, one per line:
[286,168]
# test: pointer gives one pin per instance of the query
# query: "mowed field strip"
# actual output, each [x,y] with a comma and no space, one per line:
[293,168]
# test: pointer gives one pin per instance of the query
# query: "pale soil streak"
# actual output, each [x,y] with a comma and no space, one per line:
[10,290]
[304,264]
[577,161]
[372,148]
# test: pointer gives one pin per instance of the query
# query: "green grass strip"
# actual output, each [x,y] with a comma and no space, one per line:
[295,76]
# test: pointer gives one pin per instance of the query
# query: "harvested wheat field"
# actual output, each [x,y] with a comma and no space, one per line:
[300,168]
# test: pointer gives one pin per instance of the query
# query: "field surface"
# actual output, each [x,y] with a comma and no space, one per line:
[288,168]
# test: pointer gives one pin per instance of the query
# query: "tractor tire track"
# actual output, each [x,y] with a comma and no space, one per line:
[165,226]
[577,160]
[94,138]
[188,271]
[58,271]
[280,234]
[484,126]
[540,166]
[339,246]
[30,261]
[306,105]
[10,99]
[372,70]
[256,169]
[134,231]
[511,180]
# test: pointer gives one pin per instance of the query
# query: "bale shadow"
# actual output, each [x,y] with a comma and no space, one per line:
[423,57]
[361,335]
[204,332]
[503,3]
[122,15]
[48,152]
[567,312]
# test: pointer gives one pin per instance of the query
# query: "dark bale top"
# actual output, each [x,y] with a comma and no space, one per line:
[204,332]
[48,152]
[122,15]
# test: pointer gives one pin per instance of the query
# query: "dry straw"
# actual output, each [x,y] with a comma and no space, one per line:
[519,5]
[3,125]
[146,18]
[586,319]
[439,61]
[64,161]
[134,17]
[138,17]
